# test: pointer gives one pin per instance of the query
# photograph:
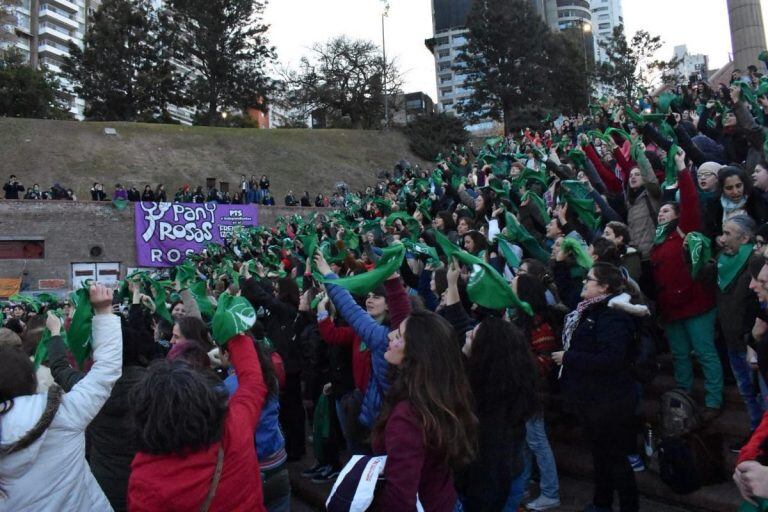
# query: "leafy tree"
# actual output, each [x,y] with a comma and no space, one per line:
[224,43]
[344,78]
[432,134]
[515,66]
[125,71]
[28,92]
[630,66]
[570,72]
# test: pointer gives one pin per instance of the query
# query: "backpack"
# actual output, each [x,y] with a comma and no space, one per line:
[679,415]
[686,463]
[643,363]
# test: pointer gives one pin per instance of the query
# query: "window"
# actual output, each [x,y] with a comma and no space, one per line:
[445,78]
[22,249]
[443,54]
[604,26]
[446,90]
[447,103]
[600,9]
[442,40]
[444,66]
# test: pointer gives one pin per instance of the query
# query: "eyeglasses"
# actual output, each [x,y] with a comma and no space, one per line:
[588,279]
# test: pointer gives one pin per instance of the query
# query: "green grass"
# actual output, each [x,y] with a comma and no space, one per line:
[78,154]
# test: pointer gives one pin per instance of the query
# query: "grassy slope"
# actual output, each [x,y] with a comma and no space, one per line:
[78,154]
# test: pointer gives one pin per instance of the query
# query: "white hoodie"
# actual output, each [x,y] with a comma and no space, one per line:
[52,474]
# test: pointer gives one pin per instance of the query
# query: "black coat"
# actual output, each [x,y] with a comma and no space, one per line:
[596,365]
[279,324]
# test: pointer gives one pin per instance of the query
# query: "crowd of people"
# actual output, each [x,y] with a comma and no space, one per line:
[251,191]
[423,319]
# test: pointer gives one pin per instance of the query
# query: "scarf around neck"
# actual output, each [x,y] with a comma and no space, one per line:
[574,317]
[662,230]
[729,266]
[730,208]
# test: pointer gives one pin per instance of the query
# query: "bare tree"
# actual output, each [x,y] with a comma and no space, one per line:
[345,79]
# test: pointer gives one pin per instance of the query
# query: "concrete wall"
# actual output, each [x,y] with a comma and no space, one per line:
[71,229]
[747,32]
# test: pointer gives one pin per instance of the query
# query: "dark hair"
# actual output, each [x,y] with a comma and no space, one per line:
[15,325]
[539,270]
[194,329]
[431,378]
[731,170]
[756,264]
[503,373]
[17,374]
[609,275]
[440,275]
[606,251]
[288,291]
[448,222]
[176,409]
[620,229]
[479,240]
[33,333]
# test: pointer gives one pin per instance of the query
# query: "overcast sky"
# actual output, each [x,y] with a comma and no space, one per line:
[297,24]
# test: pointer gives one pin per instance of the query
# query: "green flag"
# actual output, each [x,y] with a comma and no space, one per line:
[515,232]
[579,252]
[486,287]
[198,291]
[80,333]
[234,315]
[670,167]
[576,195]
[386,265]
[699,249]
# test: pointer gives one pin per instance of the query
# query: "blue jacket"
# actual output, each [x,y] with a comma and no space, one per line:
[374,335]
[268,438]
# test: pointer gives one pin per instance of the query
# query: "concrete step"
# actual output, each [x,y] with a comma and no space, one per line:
[574,459]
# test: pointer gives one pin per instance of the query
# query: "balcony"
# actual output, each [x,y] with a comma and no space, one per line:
[60,34]
[58,15]
[53,48]
[64,4]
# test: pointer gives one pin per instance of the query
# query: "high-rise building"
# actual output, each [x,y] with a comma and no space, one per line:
[606,15]
[691,66]
[449,19]
[44,29]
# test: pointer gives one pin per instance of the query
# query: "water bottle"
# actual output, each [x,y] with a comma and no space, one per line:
[648,441]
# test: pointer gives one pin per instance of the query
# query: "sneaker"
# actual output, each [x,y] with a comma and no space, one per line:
[314,470]
[543,503]
[738,445]
[636,462]
[710,413]
[328,474]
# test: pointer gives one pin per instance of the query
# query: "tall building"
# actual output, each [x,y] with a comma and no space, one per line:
[606,15]
[449,19]
[691,66]
[44,29]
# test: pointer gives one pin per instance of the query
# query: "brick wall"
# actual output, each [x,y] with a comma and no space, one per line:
[71,229]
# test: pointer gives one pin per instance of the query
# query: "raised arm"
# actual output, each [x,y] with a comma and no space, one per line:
[246,404]
[80,406]
[690,209]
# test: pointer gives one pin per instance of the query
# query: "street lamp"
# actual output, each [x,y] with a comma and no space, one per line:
[384,14]
[586,29]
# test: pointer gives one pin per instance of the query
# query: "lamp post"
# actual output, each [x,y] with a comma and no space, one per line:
[586,29]
[384,14]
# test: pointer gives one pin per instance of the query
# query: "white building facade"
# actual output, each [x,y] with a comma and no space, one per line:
[606,15]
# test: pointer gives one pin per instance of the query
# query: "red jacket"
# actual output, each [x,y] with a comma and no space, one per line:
[346,337]
[752,450]
[679,295]
[181,483]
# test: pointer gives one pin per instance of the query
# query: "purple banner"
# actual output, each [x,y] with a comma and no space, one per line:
[167,232]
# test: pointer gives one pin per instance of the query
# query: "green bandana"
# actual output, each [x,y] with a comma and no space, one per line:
[762,505]
[729,267]
[576,195]
[234,315]
[486,287]
[662,230]
[513,261]
[120,204]
[363,284]
[423,249]
[583,259]
[198,291]
[516,233]
[699,250]
[80,333]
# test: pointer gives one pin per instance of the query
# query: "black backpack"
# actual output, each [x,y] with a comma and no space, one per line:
[643,351]
[679,415]
[689,462]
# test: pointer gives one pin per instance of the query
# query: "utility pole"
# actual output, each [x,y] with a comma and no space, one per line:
[384,14]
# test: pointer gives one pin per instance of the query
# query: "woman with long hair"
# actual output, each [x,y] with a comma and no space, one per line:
[426,426]
[598,386]
[42,438]
[196,449]
[503,378]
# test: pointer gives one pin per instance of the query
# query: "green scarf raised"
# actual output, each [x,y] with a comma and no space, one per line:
[699,250]
[486,287]
[576,195]
[234,315]
[516,233]
[363,284]
[80,333]
[579,252]
[729,266]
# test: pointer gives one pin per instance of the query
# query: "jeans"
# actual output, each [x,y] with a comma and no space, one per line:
[537,445]
[697,334]
[742,372]
[516,492]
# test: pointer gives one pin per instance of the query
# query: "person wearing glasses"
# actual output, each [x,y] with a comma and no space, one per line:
[597,383]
